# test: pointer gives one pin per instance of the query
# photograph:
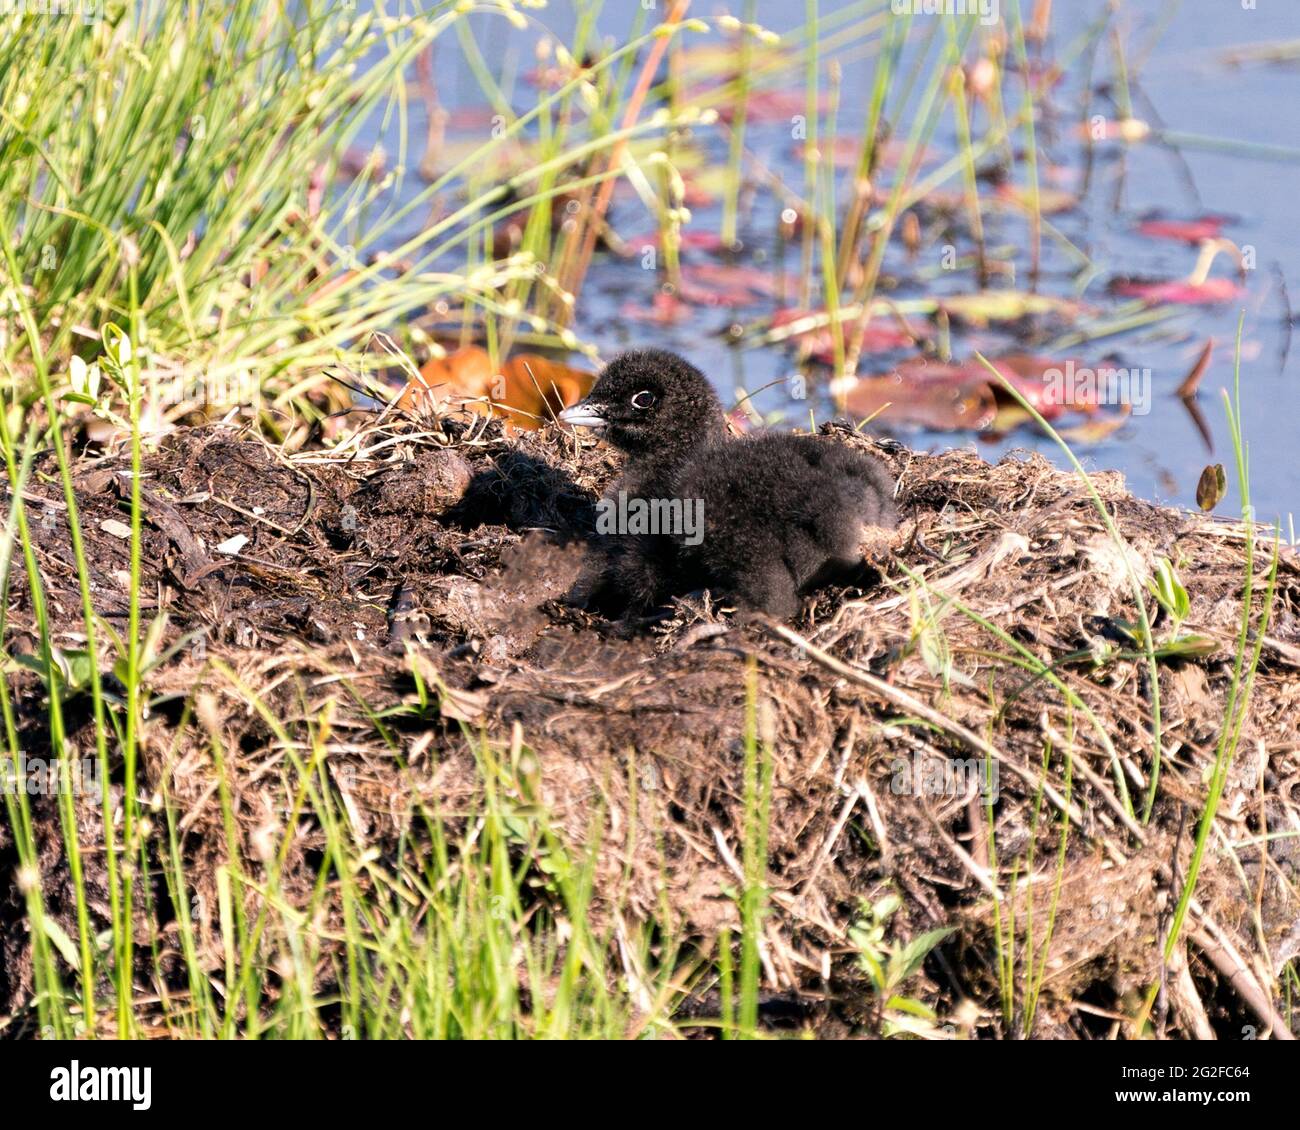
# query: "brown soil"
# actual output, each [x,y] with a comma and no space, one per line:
[446,552]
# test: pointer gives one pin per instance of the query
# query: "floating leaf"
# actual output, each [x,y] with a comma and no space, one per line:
[1005,306]
[1052,386]
[1097,429]
[1184,231]
[358,161]
[1042,382]
[1051,201]
[708,285]
[944,399]
[1178,292]
[507,159]
[1212,487]
[961,395]
[932,405]
[723,275]
[664,310]
[479,118]
[769,105]
[726,285]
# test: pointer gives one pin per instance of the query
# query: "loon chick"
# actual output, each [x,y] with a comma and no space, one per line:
[781,514]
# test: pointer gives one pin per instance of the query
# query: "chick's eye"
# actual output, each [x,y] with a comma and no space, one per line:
[643,400]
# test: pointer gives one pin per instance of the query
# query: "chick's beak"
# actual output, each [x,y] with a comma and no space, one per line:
[584,415]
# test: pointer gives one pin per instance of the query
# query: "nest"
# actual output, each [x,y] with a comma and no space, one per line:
[342,582]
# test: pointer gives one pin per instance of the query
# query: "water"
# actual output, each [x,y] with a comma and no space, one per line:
[1186,85]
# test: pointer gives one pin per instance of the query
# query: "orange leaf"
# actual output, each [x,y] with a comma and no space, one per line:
[527,390]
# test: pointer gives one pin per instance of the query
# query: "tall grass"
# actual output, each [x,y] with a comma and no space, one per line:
[1245,663]
[196,151]
[1247,654]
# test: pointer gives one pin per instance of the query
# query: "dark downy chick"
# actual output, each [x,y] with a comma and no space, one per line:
[781,514]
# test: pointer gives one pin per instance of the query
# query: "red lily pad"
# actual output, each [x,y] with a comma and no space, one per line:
[734,284]
[939,397]
[1183,231]
[709,285]
[1044,382]
[959,396]
[464,118]
[1178,292]
[695,294]
[766,106]
[665,309]
[882,335]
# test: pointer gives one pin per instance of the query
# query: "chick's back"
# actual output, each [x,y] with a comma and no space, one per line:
[780,513]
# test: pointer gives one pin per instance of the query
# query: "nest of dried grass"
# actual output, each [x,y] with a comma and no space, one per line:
[443,553]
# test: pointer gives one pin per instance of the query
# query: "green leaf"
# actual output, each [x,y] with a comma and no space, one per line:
[910,1006]
[1169,591]
[1187,647]
[886,906]
[79,666]
[913,954]
[32,663]
[874,969]
[62,942]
